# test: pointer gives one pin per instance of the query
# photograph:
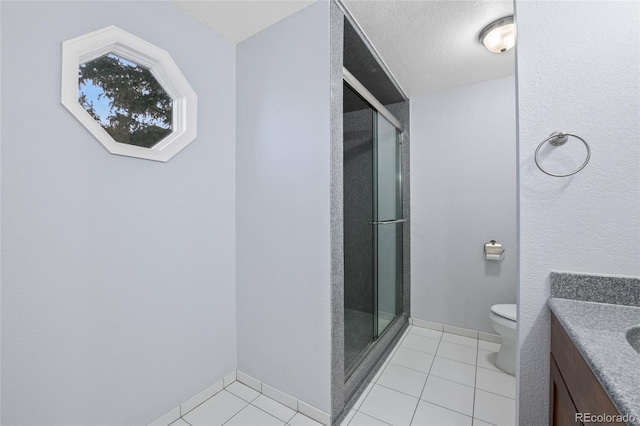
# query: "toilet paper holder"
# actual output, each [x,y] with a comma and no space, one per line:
[493,251]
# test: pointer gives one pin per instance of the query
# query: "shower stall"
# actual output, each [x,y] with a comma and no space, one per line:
[373,220]
[370,147]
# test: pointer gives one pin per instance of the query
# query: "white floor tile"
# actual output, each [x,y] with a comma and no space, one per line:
[497,382]
[243,391]
[487,359]
[179,422]
[489,346]
[420,343]
[348,418]
[274,408]
[252,416]
[413,359]
[495,409]
[448,394]
[389,406]
[462,353]
[426,332]
[302,420]
[478,422]
[432,415]
[216,410]
[403,380]
[460,340]
[361,419]
[454,370]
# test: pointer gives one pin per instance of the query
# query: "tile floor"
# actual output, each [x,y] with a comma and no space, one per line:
[430,378]
[240,405]
[439,379]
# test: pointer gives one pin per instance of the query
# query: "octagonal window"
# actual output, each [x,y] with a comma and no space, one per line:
[129,94]
[126,100]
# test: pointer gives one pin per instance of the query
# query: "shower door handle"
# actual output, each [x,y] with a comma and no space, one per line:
[389,222]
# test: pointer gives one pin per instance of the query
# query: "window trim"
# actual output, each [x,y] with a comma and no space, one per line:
[112,39]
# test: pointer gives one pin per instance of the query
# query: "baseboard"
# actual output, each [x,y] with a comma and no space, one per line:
[480,335]
[193,402]
[263,388]
[285,399]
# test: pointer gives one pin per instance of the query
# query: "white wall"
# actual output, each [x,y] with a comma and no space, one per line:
[283,235]
[581,75]
[463,194]
[118,298]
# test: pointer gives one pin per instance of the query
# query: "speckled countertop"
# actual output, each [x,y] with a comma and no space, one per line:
[599,332]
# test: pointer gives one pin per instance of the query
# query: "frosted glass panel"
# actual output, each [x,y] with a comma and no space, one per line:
[387,170]
[388,236]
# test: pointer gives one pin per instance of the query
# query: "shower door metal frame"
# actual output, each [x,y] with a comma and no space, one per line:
[352,82]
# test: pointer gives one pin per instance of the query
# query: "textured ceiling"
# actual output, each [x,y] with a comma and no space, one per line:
[431,45]
[237,20]
[428,45]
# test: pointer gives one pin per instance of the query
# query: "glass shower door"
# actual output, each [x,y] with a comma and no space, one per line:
[373,295]
[388,224]
[359,308]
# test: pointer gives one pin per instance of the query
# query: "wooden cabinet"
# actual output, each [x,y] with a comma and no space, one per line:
[573,390]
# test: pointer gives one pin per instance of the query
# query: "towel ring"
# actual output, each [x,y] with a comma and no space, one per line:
[559,139]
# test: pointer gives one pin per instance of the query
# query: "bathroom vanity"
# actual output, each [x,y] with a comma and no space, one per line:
[573,387]
[594,366]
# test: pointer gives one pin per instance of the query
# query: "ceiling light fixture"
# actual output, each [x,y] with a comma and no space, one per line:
[499,36]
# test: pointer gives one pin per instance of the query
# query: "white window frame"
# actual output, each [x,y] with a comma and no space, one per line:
[112,39]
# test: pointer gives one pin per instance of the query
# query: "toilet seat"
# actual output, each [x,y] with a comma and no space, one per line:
[506,311]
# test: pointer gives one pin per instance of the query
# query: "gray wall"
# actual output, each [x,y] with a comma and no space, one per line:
[463,194]
[283,222]
[118,298]
[573,77]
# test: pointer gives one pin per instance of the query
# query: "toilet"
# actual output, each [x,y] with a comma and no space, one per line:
[503,321]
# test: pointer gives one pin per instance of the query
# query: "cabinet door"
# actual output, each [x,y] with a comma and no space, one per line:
[562,411]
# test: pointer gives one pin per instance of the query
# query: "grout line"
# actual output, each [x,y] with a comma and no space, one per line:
[182,418]
[373,417]
[447,408]
[475,389]
[396,390]
[415,410]
[280,420]
[462,344]
[440,340]
[493,369]
[286,421]
[413,369]
[457,360]
[489,423]
[242,409]
[497,394]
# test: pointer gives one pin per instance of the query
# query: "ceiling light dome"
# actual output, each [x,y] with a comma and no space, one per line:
[499,36]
